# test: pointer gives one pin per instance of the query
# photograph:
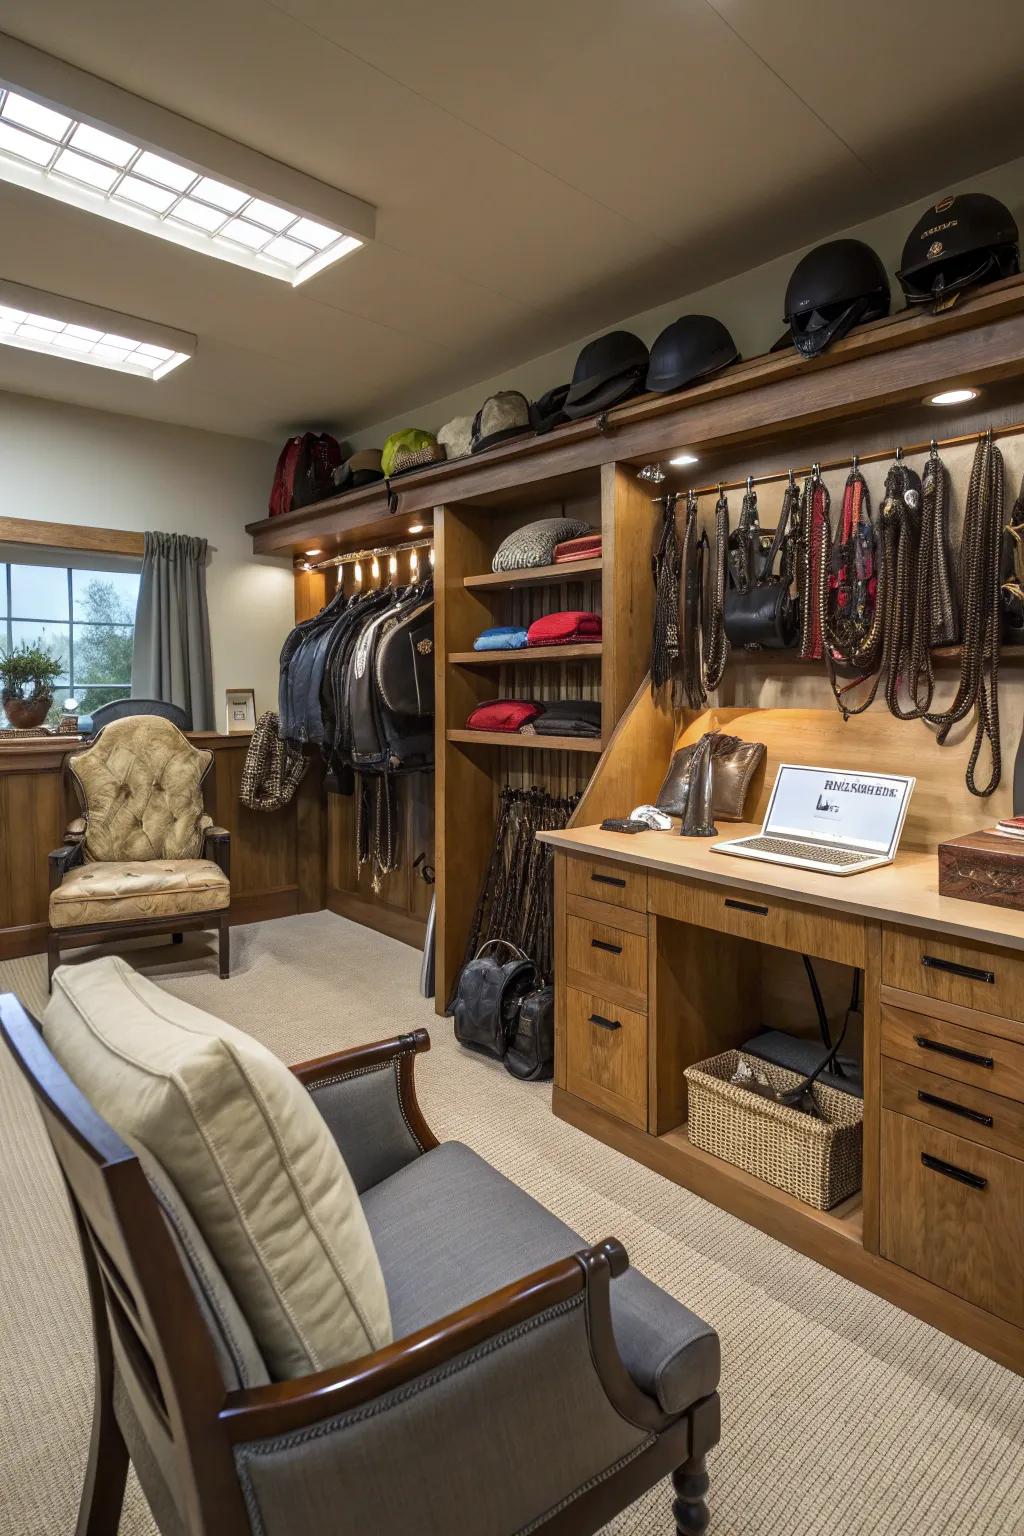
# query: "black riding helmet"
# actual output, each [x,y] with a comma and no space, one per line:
[608,370]
[689,349]
[833,288]
[956,244]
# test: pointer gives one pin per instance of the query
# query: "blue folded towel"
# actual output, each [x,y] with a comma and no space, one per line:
[504,637]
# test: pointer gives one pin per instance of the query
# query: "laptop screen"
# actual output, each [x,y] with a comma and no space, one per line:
[858,810]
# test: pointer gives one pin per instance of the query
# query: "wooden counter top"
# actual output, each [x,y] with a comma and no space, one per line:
[904,892]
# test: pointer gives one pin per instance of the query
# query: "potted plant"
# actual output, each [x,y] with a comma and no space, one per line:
[28,674]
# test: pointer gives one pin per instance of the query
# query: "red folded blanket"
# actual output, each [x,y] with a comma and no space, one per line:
[503,715]
[586,548]
[564,628]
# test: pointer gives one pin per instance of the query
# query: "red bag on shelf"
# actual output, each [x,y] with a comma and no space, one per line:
[565,628]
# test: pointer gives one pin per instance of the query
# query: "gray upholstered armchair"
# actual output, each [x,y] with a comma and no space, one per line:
[535,1383]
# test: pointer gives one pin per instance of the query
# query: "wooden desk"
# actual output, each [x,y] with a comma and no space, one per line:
[689,953]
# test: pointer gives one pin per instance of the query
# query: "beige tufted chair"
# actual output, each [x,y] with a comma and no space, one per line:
[143,857]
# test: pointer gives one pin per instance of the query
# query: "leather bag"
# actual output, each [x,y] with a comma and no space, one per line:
[531,1049]
[759,611]
[733,765]
[488,998]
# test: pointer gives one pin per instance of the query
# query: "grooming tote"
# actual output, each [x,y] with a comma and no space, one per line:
[817,1161]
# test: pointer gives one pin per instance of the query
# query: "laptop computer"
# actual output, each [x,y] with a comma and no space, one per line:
[829,820]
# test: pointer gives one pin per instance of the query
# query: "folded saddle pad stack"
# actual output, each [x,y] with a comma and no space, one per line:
[567,717]
[586,548]
[508,715]
[534,544]
[503,637]
[572,626]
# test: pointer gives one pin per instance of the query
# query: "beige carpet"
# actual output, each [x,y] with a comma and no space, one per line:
[841,1415]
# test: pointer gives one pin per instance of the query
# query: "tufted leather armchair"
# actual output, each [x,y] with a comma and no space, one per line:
[143,857]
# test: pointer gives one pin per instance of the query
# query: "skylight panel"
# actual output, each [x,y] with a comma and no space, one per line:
[56,326]
[137,168]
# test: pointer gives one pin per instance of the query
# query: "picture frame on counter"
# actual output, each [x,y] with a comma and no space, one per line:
[240,710]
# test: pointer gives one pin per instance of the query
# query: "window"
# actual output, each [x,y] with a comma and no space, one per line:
[83,615]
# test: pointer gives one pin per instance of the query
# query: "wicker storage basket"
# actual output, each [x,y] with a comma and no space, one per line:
[818,1161]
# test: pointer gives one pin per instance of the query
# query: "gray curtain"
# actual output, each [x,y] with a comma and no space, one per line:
[172,628]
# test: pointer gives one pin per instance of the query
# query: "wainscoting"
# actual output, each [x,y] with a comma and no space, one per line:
[277,858]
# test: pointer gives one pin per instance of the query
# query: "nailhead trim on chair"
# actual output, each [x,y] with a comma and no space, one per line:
[344,1077]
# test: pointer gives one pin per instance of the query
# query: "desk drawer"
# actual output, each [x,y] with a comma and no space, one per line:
[606,1055]
[621,885]
[953,1212]
[771,920]
[954,1051]
[610,960]
[958,1108]
[972,975]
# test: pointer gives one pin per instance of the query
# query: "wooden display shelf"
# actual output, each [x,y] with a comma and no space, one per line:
[532,743]
[534,575]
[585,651]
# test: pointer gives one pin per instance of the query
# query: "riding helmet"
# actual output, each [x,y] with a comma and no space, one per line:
[958,243]
[687,350]
[833,288]
[608,370]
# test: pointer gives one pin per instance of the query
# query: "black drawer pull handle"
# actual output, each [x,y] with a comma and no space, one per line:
[972,972]
[952,1050]
[951,1171]
[954,1109]
[603,1023]
[608,880]
[613,949]
[746,906]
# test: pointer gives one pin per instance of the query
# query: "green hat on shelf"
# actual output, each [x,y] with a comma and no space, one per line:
[409,449]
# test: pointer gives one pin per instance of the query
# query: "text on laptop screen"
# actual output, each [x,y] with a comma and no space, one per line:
[863,810]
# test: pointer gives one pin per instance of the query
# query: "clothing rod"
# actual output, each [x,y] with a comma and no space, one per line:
[877,456]
[352,556]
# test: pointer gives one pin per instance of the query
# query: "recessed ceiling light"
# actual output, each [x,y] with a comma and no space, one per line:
[311,552]
[83,333]
[415,527]
[953,397]
[84,142]
[682,459]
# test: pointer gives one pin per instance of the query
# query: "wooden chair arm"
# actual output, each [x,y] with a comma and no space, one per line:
[217,847]
[282,1408]
[357,1057]
[401,1050]
[60,860]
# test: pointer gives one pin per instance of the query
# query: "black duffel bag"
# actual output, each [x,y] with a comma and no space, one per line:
[487,999]
[531,1049]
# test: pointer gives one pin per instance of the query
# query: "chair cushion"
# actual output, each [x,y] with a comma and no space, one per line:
[246,1149]
[140,785]
[450,1229]
[137,891]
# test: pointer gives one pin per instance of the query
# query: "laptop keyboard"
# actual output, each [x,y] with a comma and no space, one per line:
[812,851]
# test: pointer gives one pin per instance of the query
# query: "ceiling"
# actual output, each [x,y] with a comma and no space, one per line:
[539,171]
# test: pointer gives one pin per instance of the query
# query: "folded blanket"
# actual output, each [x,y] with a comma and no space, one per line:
[503,715]
[564,628]
[586,548]
[569,717]
[504,637]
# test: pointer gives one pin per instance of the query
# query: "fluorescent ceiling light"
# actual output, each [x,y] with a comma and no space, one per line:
[82,141]
[682,459]
[84,333]
[953,397]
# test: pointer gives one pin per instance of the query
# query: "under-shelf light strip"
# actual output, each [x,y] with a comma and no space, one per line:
[50,151]
[877,456]
[359,556]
